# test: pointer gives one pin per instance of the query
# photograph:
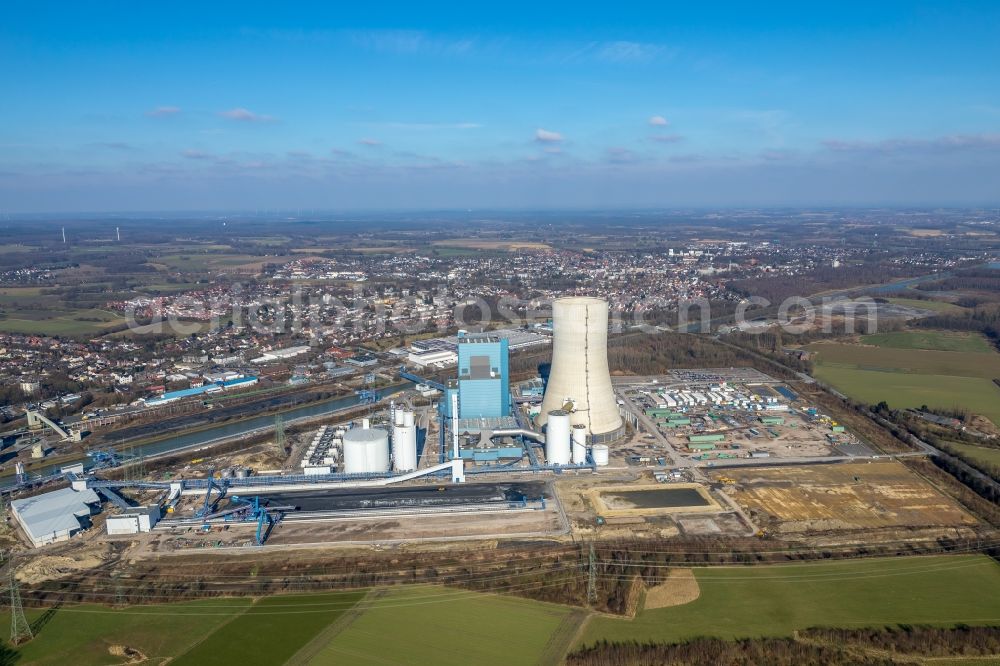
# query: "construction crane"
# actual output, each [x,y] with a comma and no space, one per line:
[417,379]
[105,458]
[251,510]
[209,507]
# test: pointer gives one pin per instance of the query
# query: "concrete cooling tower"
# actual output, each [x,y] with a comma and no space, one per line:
[579,381]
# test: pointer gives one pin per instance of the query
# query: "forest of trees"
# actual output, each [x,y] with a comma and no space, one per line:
[906,423]
[976,279]
[637,353]
[889,646]
[779,287]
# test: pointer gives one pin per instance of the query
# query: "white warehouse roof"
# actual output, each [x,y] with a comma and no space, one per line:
[53,516]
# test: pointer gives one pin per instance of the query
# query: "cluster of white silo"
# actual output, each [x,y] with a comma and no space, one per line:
[324,451]
[565,444]
[557,438]
[366,450]
[404,441]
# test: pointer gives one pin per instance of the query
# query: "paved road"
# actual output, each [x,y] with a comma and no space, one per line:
[675,458]
[805,460]
[928,449]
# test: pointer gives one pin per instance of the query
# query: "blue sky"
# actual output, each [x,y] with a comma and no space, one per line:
[242,106]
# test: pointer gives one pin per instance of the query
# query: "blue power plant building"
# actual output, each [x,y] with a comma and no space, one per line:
[483,376]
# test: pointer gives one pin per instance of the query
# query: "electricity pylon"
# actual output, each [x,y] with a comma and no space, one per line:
[279,434]
[592,577]
[20,630]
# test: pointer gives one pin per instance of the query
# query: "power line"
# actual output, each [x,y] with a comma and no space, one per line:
[20,630]
[592,577]
[279,434]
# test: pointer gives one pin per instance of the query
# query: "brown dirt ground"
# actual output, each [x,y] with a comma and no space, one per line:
[849,496]
[681,587]
[131,655]
[51,567]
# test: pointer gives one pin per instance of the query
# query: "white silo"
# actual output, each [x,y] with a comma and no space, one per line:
[557,438]
[579,380]
[404,442]
[600,454]
[579,444]
[366,450]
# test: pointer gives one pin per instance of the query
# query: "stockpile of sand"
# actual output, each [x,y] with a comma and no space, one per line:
[50,567]
[130,654]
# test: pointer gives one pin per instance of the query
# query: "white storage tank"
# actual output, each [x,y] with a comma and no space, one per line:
[600,454]
[579,444]
[366,450]
[404,443]
[557,438]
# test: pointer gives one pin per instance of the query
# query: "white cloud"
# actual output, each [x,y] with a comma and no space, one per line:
[666,138]
[619,155]
[163,111]
[369,142]
[658,121]
[411,42]
[195,154]
[243,115]
[623,51]
[546,136]
[430,126]
[951,142]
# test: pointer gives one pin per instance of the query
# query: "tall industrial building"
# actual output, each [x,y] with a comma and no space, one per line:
[483,376]
[579,381]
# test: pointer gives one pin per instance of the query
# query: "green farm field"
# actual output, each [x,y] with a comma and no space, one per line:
[14,293]
[980,453]
[221,631]
[900,389]
[411,624]
[59,322]
[271,630]
[437,625]
[780,599]
[207,261]
[912,377]
[917,361]
[84,634]
[935,306]
[956,341]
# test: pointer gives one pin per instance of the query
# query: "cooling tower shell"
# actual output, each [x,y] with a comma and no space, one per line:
[557,438]
[600,454]
[579,373]
[366,451]
[579,444]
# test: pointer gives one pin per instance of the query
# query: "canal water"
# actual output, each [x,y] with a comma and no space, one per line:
[225,431]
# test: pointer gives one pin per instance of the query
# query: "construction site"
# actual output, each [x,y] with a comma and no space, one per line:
[851,497]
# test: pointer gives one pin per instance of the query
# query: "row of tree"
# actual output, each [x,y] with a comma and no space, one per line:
[890,646]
